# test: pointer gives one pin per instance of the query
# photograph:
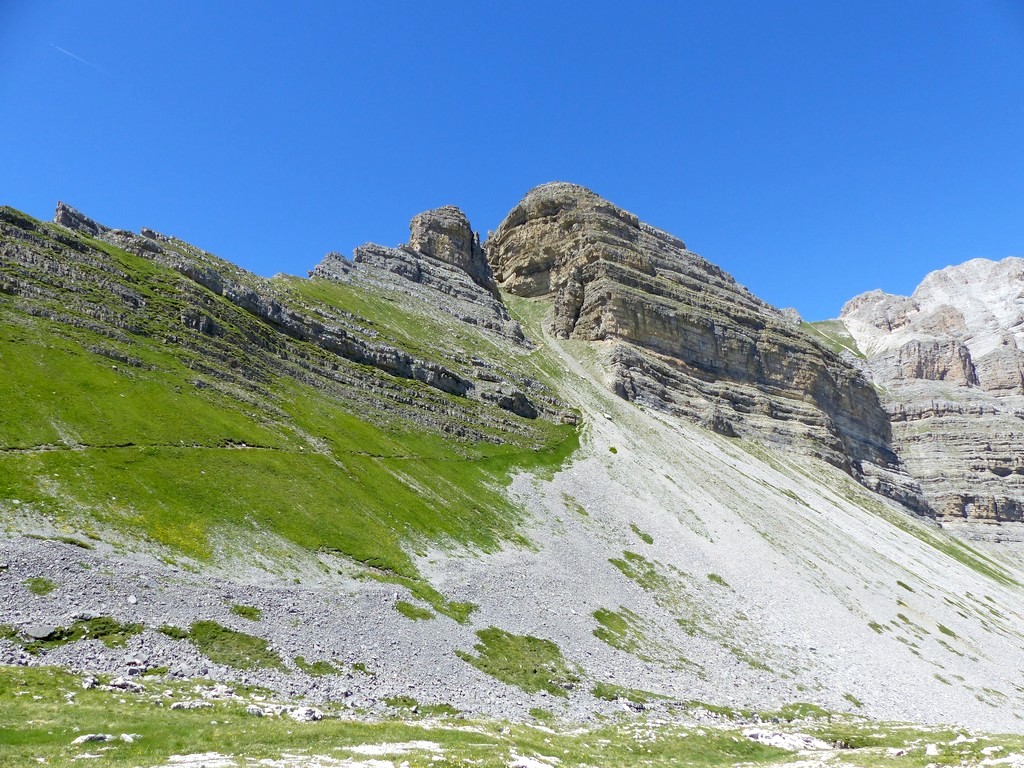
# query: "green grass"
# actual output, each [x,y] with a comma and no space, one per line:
[620,629]
[222,645]
[853,700]
[833,335]
[641,570]
[802,711]
[641,534]
[529,663]
[36,722]
[612,692]
[321,668]
[413,612]
[250,612]
[714,578]
[39,585]
[109,631]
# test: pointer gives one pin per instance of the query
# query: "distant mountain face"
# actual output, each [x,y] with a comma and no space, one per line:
[949,362]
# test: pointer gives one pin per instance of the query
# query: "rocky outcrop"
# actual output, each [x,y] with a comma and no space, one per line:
[683,336]
[949,360]
[442,263]
[444,233]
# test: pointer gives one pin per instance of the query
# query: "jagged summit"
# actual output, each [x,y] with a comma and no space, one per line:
[444,233]
[443,263]
[950,361]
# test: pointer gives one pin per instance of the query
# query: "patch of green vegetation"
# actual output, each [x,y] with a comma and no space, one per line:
[250,612]
[800,710]
[458,611]
[748,658]
[620,629]
[574,506]
[833,335]
[641,570]
[714,578]
[643,535]
[541,714]
[39,585]
[905,586]
[612,692]
[414,612]
[362,669]
[529,663]
[401,702]
[946,631]
[321,668]
[853,700]
[175,633]
[235,649]
[879,628]
[109,631]
[70,540]
[612,449]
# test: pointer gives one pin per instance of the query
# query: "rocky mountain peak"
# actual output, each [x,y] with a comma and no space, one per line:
[444,233]
[949,360]
[74,219]
[681,335]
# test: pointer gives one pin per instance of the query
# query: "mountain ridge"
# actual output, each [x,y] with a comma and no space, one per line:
[451,470]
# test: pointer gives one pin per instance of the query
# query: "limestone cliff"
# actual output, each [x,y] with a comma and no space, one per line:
[682,336]
[950,362]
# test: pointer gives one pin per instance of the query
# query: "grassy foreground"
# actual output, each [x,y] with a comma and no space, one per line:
[43,711]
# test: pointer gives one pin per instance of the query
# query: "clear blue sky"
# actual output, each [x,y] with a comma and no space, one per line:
[813,149]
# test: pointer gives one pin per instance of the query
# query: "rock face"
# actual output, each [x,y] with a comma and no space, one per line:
[684,337]
[950,362]
[442,263]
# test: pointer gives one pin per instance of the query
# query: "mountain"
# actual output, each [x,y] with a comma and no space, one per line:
[568,471]
[949,362]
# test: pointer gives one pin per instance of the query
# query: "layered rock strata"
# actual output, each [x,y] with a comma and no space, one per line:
[239,332]
[684,337]
[949,360]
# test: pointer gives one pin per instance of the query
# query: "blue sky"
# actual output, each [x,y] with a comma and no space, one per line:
[813,149]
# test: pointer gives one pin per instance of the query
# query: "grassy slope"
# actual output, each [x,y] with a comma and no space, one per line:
[170,449]
[38,724]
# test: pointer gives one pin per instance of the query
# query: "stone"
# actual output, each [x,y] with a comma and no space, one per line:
[89,738]
[38,631]
[191,705]
[124,684]
[305,714]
